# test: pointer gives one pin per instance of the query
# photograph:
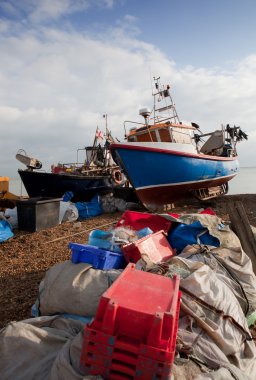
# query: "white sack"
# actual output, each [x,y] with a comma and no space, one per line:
[231,266]
[28,349]
[73,288]
[223,374]
[68,212]
[230,254]
[214,303]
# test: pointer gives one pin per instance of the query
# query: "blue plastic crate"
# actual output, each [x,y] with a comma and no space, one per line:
[98,258]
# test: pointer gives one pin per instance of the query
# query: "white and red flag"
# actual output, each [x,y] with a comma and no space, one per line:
[99,134]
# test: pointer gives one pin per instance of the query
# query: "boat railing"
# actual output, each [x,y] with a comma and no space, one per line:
[131,122]
[95,154]
[69,164]
[178,133]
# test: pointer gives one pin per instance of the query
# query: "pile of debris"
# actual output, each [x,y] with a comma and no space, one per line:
[157,296]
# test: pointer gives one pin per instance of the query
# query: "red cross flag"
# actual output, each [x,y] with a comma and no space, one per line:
[99,134]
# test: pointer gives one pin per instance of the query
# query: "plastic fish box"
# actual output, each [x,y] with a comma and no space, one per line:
[102,353]
[36,214]
[124,365]
[155,246]
[142,306]
[100,344]
[138,220]
[98,258]
[133,334]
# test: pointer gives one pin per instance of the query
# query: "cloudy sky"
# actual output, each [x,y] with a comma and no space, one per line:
[65,63]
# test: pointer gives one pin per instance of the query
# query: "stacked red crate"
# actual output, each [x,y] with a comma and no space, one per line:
[133,335]
[154,246]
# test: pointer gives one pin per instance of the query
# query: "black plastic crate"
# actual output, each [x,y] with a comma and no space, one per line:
[36,214]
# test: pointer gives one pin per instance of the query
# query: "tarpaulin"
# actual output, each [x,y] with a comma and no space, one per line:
[189,234]
[5,230]
[89,209]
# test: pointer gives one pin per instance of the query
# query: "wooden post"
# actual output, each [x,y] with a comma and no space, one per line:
[241,226]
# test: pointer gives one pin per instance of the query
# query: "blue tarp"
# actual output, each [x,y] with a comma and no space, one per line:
[110,241]
[68,196]
[89,209]
[5,230]
[187,234]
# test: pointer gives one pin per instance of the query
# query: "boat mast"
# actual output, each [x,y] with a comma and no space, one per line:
[162,94]
[106,123]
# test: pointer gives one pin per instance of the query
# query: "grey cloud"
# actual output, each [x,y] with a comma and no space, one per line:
[55,88]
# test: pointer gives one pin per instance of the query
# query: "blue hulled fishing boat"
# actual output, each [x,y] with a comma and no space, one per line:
[166,160]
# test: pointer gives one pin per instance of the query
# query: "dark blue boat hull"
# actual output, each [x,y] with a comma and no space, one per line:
[42,184]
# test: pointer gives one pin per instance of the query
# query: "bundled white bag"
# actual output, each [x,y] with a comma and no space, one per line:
[73,288]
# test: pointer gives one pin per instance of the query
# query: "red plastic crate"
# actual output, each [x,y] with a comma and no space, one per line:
[141,368]
[100,359]
[133,334]
[145,370]
[138,220]
[154,246]
[141,305]
[98,343]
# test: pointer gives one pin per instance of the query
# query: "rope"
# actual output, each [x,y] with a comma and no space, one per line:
[79,233]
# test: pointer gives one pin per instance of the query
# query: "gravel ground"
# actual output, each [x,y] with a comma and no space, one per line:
[25,258]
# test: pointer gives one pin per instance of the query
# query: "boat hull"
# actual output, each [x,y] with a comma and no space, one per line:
[42,184]
[161,176]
